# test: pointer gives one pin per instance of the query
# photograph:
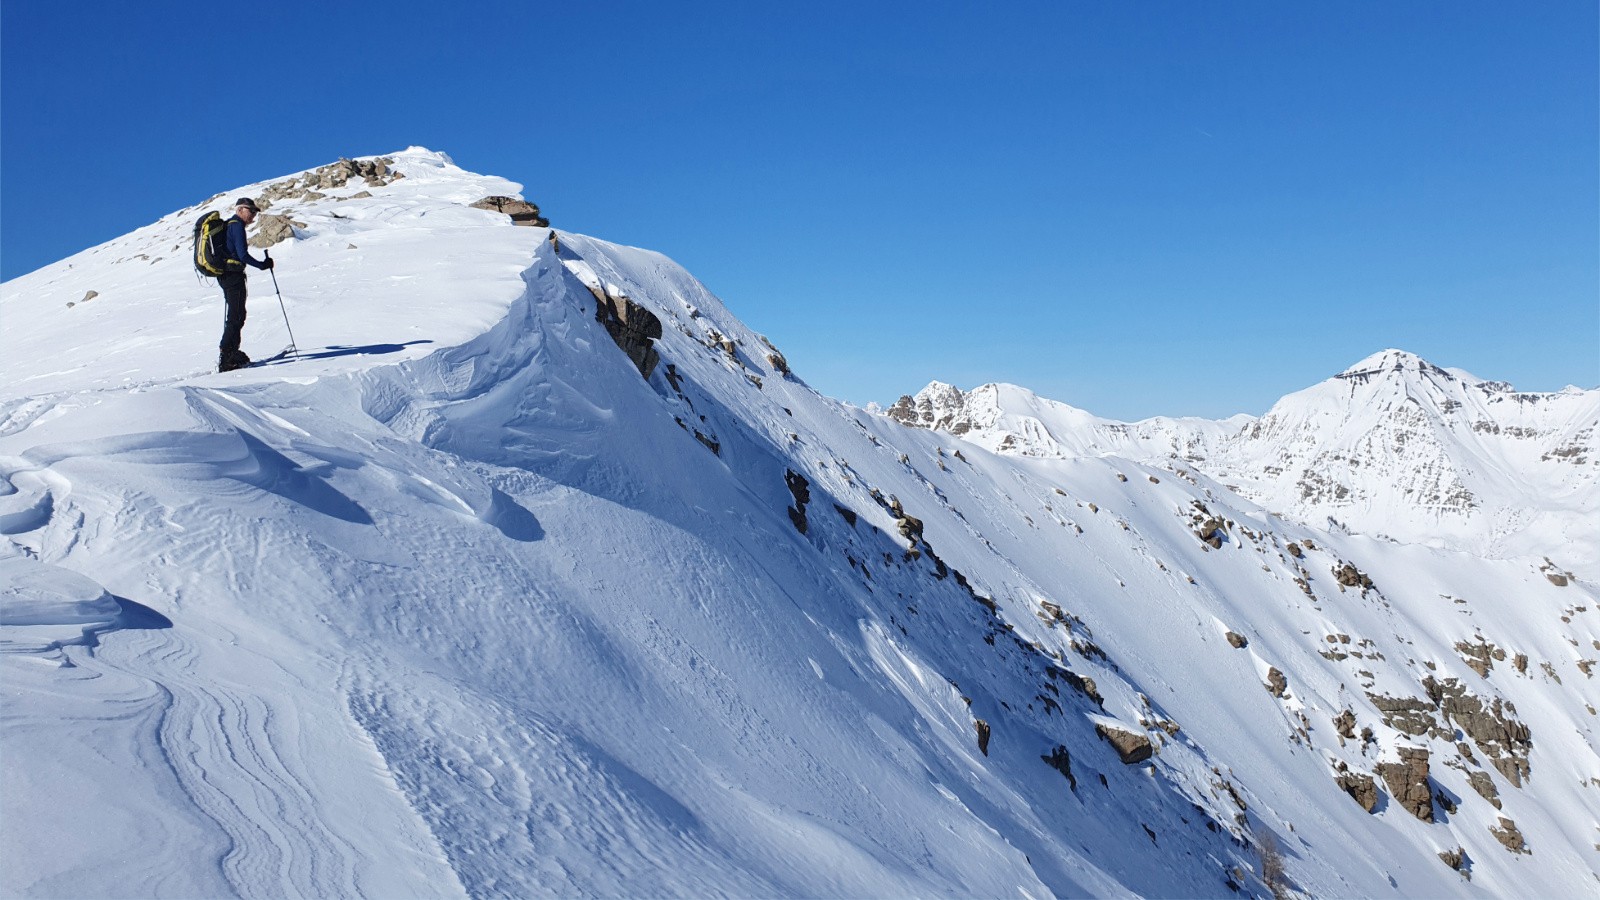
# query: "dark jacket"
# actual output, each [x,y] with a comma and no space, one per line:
[239,246]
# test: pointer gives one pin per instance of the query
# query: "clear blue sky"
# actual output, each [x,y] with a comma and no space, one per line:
[1138,208]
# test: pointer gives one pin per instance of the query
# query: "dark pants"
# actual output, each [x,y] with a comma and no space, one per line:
[233,291]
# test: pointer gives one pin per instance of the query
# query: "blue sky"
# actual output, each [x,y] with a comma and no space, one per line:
[1136,208]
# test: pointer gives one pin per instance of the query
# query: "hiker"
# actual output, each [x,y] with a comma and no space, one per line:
[233,284]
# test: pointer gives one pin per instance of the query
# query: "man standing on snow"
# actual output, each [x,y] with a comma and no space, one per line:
[233,284]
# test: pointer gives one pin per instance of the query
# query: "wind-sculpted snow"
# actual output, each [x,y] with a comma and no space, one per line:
[487,613]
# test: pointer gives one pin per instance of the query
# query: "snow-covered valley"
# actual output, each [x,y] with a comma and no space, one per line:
[537,572]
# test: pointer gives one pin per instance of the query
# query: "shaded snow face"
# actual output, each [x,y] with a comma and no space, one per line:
[469,600]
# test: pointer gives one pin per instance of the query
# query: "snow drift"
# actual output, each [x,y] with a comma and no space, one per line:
[466,599]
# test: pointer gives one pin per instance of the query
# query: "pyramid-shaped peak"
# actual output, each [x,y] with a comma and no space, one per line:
[939,391]
[1392,361]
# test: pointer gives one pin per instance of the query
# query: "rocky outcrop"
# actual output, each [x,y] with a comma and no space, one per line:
[1361,787]
[775,358]
[1457,859]
[1492,726]
[1409,715]
[1551,571]
[1060,760]
[309,186]
[1238,641]
[910,527]
[1079,683]
[1131,747]
[983,735]
[521,211]
[800,489]
[1408,782]
[372,172]
[1484,785]
[273,229]
[634,328]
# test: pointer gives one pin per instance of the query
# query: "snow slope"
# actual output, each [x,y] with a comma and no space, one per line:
[460,603]
[1397,446]
[1394,447]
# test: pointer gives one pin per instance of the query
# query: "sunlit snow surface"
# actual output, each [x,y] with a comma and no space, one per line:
[458,603]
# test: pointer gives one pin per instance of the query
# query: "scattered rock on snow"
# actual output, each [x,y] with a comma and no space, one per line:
[1277,684]
[1508,834]
[1457,859]
[1131,747]
[1345,724]
[1349,576]
[304,187]
[1480,657]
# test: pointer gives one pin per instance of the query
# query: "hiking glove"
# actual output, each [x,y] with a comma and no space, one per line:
[269,264]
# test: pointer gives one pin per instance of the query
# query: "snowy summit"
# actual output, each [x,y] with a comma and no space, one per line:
[535,572]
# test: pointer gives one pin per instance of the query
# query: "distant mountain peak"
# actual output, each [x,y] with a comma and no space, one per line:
[1392,360]
[938,407]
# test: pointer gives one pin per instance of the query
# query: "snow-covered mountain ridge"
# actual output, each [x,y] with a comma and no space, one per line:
[540,573]
[1393,446]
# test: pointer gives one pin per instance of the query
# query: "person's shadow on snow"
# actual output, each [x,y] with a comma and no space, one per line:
[339,350]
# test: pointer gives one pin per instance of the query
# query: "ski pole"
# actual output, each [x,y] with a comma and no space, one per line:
[293,348]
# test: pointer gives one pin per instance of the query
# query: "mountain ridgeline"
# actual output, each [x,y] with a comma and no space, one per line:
[1393,446]
[540,573]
